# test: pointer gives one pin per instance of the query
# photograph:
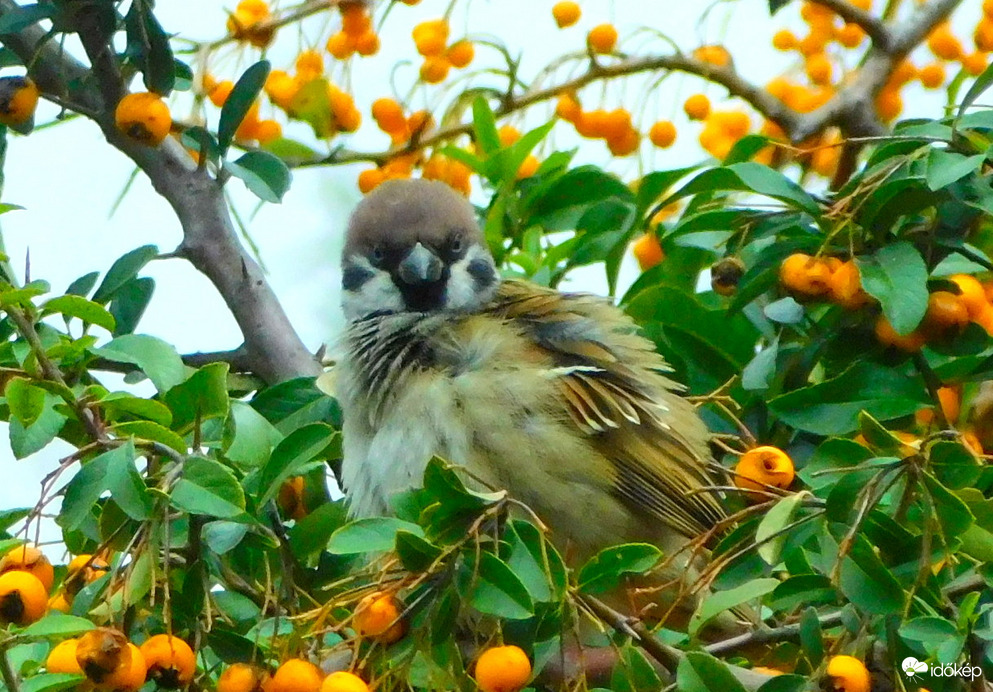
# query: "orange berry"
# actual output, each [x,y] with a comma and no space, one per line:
[242,677]
[568,108]
[662,134]
[434,69]
[344,682]
[219,94]
[340,45]
[143,117]
[716,55]
[889,104]
[377,617]
[460,54]
[83,569]
[592,124]
[648,251]
[502,669]
[784,39]
[388,114]
[281,88]
[946,314]
[888,336]
[508,134]
[813,43]
[716,141]
[566,13]
[988,9]
[18,100]
[932,76]
[420,122]
[850,35]
[296,675]
[763,466]
[367,44]
[971,293]
[849,674]
[171,662]
[23,598]
[249,22]
[62,658]
[101,652]
[355,19]
[624,143]
[846,286]
[697,107]
[248,129]
[904,72]
[983,36]
[268,131]
[528,167]
[944,44]
[813,13]
[61,601]
[975,63]
[370,179]
[985,320]
[971,441]
[27,558]
[819,68]
[309,66]
[127,678]
[431,37]
[602,38]
[951,406]
[616,123]
[735,124]
[805,275]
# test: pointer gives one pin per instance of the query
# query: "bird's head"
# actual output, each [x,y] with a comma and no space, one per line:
[415,246]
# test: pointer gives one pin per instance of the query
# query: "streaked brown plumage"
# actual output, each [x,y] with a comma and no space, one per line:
[551,396]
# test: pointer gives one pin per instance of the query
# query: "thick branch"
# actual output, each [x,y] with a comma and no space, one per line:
[874,27]
[210,243]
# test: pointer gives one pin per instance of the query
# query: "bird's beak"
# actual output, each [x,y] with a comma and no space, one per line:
[420,266]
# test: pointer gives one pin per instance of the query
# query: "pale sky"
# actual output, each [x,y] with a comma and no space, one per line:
[68,178]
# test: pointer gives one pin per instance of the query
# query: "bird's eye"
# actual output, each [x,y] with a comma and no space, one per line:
[378,254]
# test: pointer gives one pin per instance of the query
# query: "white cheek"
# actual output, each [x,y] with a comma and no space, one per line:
[463,293]
[377,294]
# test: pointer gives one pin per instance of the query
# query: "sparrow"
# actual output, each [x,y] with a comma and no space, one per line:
[553,397]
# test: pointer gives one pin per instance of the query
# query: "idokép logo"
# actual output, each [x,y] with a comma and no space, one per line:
[912,667]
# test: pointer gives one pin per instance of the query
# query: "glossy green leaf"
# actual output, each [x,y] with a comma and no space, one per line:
[298,448]
[60,625]
[718,602]
[129,304]
[243,95]
[700,672]
[494,589]
[153,356]
[126,485]
[123,270]
[203,396]
[80,308]
[372,535]
[265,174]
[148,43]
[605,570]
[897,277]
[26,401]
[148,430]
[774,522]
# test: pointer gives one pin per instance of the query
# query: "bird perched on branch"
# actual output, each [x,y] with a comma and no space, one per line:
[551,396]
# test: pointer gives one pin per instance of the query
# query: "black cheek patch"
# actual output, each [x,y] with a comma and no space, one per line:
[353,277]
[482,272]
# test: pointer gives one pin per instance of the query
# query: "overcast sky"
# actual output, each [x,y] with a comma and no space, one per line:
[68,178]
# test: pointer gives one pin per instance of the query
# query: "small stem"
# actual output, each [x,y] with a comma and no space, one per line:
[9,679]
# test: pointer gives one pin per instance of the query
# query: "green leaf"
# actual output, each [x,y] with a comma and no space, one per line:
[83,285]
[415,552]
[749,177]
[243,95]
[700,672]
[253,436]
[149,44]
[535,562]
[203,396]
[484,126]
[147,430]
[223,536]
[26,440]
[117,403]
[213,478]
[126,486]
[952,512]
[26,401]
[312,104]
[17,18]
[774,521]
[719,601]
[86,487]
[494,589]
[193,498]
[51,682]
[897,276]
[560,204]
[129,304]
[371,535]
[944,167]
[310,536]
[832,407]
[867,583]
[604,570]
[634,673]
[802,590]
[981,84]
[298,448]
[60,625]
[263,173]
[123,270]
[153,356]
[80,308]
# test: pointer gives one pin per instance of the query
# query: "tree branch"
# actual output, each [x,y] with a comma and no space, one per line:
[274,350]
[874,27]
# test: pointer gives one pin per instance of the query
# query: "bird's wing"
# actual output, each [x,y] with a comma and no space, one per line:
[611,386]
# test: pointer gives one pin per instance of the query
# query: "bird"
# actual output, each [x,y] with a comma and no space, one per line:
[554,397]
